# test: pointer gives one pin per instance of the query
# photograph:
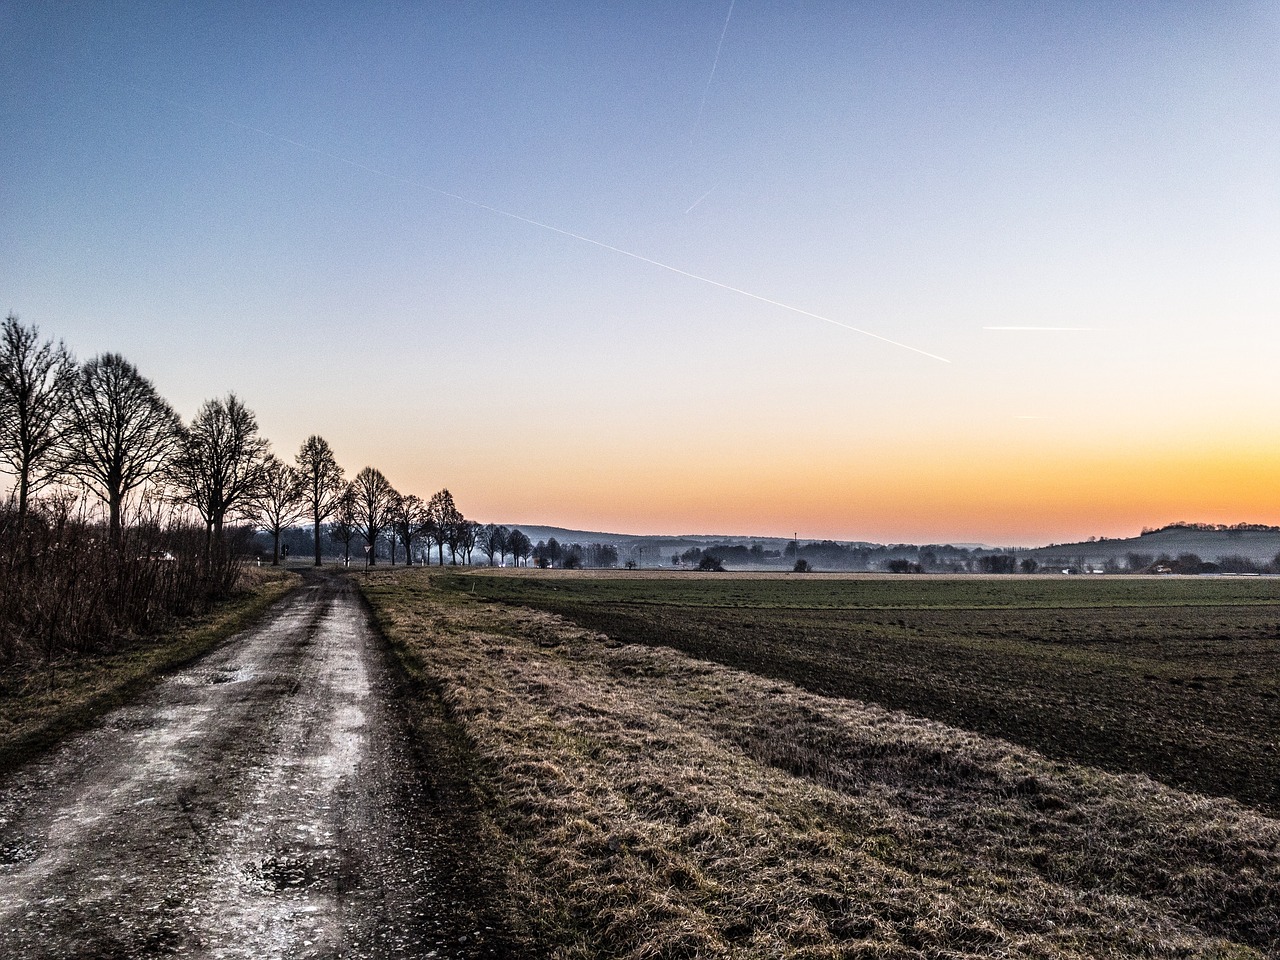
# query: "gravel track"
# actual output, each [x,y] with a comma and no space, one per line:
[265,802]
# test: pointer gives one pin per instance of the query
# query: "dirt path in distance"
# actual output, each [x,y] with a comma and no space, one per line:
[265,802]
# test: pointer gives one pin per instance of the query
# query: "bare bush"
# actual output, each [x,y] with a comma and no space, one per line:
[70,590]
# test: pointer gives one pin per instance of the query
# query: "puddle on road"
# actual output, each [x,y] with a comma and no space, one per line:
[215,677]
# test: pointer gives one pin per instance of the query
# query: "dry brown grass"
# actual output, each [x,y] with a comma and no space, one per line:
[649,805]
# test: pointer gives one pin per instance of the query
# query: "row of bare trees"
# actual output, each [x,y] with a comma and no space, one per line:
[497,541]
[102,428]
[121,515]
[372,510]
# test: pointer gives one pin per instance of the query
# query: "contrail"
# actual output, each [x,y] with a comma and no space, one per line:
[418,185]
[700,199]
[714,63]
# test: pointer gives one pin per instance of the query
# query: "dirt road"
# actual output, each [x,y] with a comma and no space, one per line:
[265,802]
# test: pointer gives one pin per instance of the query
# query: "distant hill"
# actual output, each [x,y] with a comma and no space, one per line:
[1257,542]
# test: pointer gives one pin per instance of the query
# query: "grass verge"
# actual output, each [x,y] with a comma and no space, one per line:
[457,785]
[42,706]
[640,803]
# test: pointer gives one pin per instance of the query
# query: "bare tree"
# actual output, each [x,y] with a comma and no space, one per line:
[520,546]
[443,522]
[493,541]
[322,482]
[432,533]
[374,498]
[279,501]
[407,522]
[344,528]
[121,432]
[467,532]
[36,380]
[219,464]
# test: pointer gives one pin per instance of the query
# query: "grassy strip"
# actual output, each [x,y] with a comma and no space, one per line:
[41,707]
[457,780]
[645,804]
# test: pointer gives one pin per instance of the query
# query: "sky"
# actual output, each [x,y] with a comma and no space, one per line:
[902,272]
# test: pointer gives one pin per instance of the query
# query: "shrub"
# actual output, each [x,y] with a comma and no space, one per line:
[68,591]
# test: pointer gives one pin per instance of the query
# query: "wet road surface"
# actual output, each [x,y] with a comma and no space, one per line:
[262,803]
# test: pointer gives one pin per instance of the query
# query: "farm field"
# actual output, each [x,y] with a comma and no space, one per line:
[1178,678]
[628,799]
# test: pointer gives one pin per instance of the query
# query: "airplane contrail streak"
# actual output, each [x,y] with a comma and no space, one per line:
[338,158]
[714,63]
[700,199]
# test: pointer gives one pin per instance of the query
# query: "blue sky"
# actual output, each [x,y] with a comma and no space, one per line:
[263,197]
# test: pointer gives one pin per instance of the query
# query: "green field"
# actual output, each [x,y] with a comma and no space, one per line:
[1177,678]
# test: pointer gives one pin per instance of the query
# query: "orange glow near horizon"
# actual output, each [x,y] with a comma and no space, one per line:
[921,496]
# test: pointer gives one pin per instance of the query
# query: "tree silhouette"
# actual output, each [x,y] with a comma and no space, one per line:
[121,432]
[322,482]
[443,520]
[344,528]
[492,539]
[373,499]
[219,466]
[36,380]
[279,502]
[520,545]
[407,520]
[468,532]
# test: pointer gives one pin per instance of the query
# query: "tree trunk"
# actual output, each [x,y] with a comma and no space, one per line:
[275,553]
[24,484]
[115,525]
[316,529]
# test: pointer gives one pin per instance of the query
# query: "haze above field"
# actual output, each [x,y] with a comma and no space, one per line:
[471,245]
[1260,545]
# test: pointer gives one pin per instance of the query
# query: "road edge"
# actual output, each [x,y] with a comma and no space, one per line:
[454,779]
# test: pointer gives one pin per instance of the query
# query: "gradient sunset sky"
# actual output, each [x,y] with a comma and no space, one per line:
[612,266]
